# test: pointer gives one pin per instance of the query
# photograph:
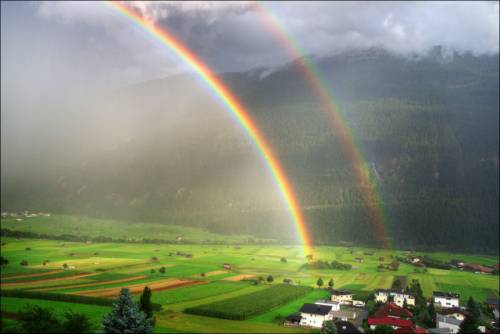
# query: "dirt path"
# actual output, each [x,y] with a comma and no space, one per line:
[69,286]
[137,288]
[49,279]
[34,275]
[238,277]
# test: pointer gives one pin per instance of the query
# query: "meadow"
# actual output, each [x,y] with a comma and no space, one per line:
[193,278]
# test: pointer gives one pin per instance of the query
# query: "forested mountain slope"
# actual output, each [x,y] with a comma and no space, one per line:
[427,128]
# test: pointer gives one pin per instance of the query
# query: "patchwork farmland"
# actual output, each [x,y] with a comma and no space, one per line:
[193,291]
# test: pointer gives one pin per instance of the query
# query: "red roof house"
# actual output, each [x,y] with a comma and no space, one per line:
[392,310]
[410,330]
[389,321]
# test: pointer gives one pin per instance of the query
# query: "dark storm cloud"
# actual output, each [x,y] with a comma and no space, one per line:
[231,35]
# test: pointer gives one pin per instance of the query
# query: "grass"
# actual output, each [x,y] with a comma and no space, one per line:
[243,307]
[113,261]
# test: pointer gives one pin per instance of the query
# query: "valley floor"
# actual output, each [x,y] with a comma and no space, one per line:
[194,275]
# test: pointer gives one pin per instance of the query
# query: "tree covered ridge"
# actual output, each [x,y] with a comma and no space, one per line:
[427,129]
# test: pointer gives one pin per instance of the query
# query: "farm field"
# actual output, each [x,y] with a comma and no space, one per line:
[194,277]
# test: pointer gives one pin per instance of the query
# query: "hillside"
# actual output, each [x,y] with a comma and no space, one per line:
[427,127]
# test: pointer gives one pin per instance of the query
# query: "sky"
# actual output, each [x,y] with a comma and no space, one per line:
[84,42]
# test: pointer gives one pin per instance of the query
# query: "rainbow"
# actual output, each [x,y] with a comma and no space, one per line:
[237,110]
[340,126]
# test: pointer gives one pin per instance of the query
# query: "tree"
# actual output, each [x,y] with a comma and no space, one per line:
[24,263]
[469,325]
[319,282]
[283,259]
[145,302]
[3,261]
[370,307]
[65,266]
[125,317]
[330,283]
[162,270]
[76,323]
[38,320]
[329,327]
[270,278]
[383,329]
[432,313]
[473,309]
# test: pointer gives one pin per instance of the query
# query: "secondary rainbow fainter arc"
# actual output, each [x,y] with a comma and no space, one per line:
[350,147]
[237,110]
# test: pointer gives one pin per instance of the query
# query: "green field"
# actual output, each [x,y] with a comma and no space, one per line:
[115,265]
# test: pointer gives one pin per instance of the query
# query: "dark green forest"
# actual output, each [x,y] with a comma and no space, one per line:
[426,126]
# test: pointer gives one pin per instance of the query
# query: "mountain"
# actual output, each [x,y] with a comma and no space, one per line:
[167,151]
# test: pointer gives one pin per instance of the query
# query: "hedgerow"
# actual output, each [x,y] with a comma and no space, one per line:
[63,297]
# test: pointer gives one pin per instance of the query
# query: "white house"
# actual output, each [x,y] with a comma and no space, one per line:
[313,315]
[452,324]
[342,296]
[335,305]
[399,297]
[446,299]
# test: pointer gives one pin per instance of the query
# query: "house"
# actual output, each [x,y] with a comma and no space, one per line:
[346,327]
[399,297]
[358,303]
[448,322]
[335,305]
[227,266]
[393,311]
[494,305]
[446,299]
[342,296]
[345,315]
[313,315]
[454,312]
[292,320]
[395,323]
[410,330]
[477,268]
[457,263]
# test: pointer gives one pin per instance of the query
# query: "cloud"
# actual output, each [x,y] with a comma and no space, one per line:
[232,35]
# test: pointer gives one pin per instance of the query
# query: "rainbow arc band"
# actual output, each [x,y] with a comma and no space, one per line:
[319,87]
[236,109]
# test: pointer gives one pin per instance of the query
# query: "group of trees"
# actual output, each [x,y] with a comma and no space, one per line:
[321,264]
[320,283]
[125,317]
[34,319]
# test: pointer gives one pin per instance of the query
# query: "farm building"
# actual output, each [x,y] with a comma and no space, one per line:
[445,299]
[335,305]
[313,315]
[399,297]
[342,296]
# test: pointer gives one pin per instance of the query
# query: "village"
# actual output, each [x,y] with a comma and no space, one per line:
[397,311]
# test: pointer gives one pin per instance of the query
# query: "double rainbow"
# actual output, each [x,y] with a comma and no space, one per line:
[340,126]
[237,110]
